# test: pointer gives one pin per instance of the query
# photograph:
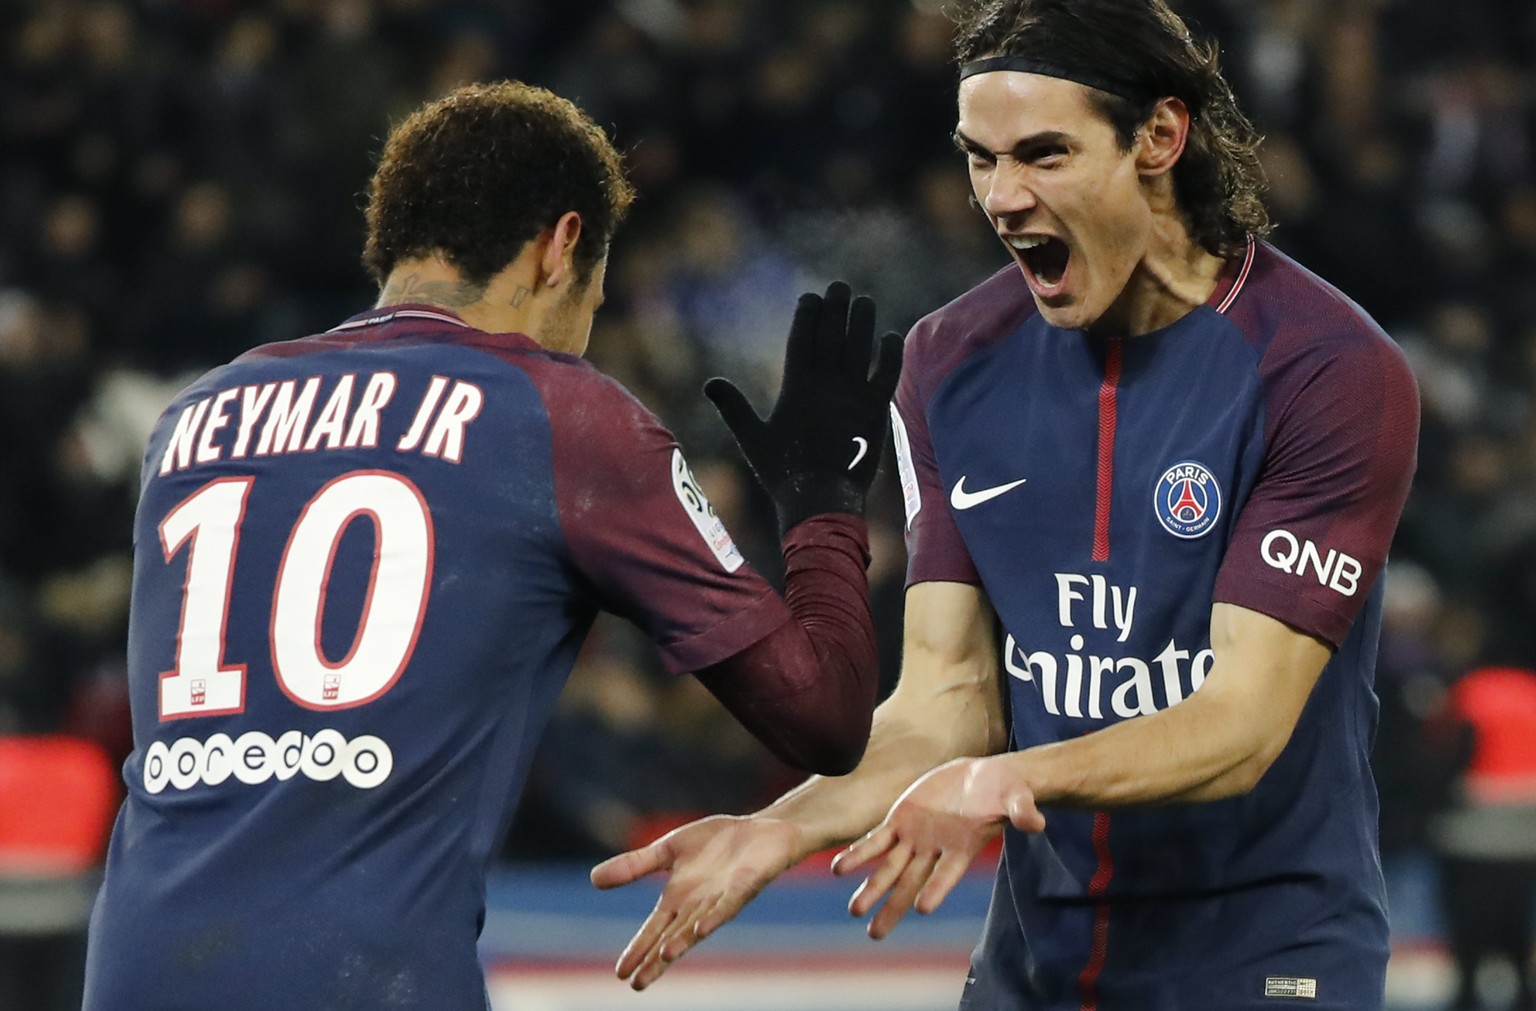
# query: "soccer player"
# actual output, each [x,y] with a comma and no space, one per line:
[365,561]
[1151,473]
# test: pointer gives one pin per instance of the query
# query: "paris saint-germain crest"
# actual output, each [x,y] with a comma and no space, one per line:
[1187,500]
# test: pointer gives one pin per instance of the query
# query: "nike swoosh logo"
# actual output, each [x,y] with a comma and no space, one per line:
[962,499]
[862,445]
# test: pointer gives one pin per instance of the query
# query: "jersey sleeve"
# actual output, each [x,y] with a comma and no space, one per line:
[935,552]
[643,536]
[1341,442]
[808,689]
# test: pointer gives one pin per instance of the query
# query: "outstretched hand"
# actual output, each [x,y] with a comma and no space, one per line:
[931,835]
[716,866]
[819,448]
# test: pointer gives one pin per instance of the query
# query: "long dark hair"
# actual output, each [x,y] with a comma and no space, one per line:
[1147,51]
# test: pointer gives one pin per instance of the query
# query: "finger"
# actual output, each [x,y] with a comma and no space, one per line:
[877,884]
[631,866]
[856,341]
[643,944]
[903,892]
[683,936]
[800,349]
[649,972]
[887,363]
[946,875]
[832,329]
[734,408]
[668,949]
[863,851]
[721,912]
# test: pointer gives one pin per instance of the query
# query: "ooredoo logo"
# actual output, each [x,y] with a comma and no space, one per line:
[255,757]
[1187,500]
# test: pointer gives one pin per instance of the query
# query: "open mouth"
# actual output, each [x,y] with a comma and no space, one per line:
[1044,256]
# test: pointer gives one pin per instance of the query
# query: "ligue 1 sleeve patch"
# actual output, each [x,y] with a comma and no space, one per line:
[1187,500]
[911,497]
[703,515]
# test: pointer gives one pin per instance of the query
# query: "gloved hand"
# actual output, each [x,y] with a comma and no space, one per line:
[818,449]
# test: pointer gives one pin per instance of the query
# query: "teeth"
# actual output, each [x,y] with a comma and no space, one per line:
[1026,241]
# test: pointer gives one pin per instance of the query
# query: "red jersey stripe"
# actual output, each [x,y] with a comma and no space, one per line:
[1106,478]
[1088,981]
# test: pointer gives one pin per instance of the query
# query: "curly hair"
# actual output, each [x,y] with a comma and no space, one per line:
[481,171]
[1146,49]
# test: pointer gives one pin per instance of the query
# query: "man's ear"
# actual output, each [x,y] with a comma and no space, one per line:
[557,264]
[1161,139]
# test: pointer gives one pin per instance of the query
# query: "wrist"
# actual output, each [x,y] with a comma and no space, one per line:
[798,842]
[800,496]
[994,780]
[813,823]
[843,532]
[1006,791]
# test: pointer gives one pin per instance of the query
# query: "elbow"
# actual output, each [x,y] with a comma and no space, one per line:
[839,761]
[828,750]
[813,716]
[1244,776]
[1241,781]
[1242,739]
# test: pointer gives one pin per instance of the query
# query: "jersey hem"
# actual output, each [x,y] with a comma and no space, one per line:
[1282,603]
[969,579]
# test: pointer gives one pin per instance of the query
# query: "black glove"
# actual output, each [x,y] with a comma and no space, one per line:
[818,450]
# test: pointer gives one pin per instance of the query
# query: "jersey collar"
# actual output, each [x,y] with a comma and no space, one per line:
[1232,278]
[450,327]
[405,310]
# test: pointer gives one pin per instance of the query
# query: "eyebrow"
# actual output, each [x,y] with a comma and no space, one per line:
[1041,139]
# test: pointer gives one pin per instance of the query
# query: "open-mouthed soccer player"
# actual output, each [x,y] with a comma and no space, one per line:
[365,561]
[1159,464]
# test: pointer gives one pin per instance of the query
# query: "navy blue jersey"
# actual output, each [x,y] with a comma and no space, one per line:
[1105,494]
[364,562]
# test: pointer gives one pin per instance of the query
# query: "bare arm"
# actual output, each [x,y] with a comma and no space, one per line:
[948,704]
[1217,743]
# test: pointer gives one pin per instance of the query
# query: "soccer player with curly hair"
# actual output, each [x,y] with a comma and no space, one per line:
[365,561]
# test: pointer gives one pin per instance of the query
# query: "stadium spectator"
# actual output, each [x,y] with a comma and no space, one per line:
[1487,838]
[1127,454]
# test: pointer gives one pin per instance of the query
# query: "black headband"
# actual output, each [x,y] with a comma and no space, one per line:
[1026,65]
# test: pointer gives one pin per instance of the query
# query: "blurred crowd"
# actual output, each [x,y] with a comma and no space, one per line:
[181,180]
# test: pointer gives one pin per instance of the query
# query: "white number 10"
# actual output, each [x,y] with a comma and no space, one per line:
[203,683]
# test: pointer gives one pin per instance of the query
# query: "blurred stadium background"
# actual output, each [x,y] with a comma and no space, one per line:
[180,180]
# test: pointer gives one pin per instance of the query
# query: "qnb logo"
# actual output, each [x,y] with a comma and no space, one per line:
[254,758]
[1290,554]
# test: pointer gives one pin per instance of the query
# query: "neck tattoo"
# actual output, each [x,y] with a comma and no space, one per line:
[447,294]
